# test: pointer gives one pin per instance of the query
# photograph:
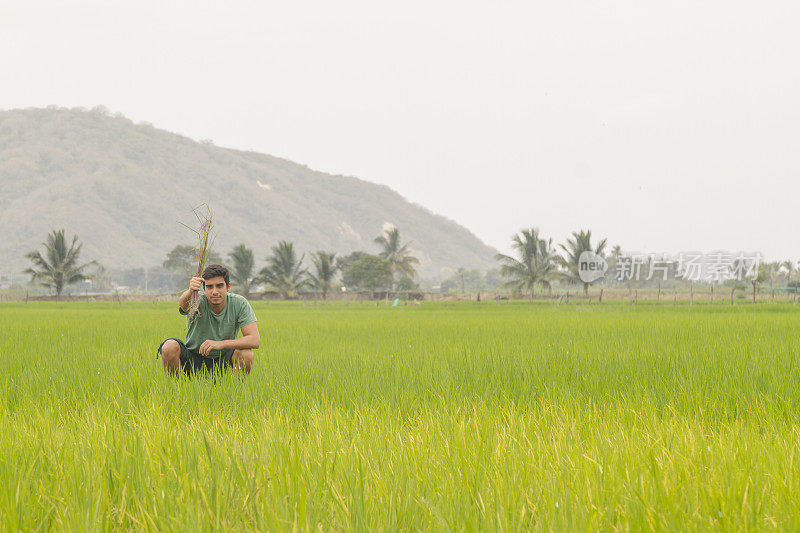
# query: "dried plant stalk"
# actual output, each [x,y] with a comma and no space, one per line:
[205,235]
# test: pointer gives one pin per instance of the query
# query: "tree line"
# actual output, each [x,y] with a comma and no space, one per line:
[391,268]
[535,264]
[538,264]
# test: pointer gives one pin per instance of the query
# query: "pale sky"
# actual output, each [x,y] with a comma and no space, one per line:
[663,126]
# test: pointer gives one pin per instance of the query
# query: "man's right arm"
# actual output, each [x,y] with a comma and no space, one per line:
[195,284]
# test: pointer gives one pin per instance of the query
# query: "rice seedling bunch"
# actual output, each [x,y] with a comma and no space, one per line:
[205,236]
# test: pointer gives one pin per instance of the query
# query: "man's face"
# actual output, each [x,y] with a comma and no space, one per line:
[216,290]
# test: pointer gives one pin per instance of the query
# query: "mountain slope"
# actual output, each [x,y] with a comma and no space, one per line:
[123,188]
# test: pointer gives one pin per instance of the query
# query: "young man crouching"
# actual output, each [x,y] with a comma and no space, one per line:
[211,341]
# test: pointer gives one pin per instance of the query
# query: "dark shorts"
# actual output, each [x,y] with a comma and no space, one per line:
[192,361]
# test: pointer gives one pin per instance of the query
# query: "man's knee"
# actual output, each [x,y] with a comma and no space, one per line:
[243,359]
[171,352]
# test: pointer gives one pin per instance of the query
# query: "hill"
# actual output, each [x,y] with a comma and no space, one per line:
[123,188]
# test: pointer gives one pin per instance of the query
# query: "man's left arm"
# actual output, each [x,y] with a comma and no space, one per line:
[250,340]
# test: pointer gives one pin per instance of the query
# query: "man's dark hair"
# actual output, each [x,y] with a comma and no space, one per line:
[212,271]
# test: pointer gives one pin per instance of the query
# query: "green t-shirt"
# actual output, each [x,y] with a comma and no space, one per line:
[236,314]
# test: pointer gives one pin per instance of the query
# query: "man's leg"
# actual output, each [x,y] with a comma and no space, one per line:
[171,355]
[243,360]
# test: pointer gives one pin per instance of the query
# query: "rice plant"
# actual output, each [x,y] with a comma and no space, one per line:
[451,416]
[205,237]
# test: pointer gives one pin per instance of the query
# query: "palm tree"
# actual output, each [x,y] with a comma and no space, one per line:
[59,267]
[762,274]
[579,243]
[284,271]
[101,278]
[325,267]
[536,264]
[400,260]
[772,272]
[243,267]
[789,268]
[791,272]
[614,259]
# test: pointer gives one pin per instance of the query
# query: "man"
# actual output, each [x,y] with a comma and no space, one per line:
[211,341]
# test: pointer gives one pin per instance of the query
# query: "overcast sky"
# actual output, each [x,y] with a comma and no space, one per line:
[663,126]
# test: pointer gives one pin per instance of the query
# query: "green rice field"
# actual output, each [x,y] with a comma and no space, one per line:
[442,416]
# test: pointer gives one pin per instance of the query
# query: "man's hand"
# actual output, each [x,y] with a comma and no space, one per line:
[209,345]
[195,284]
